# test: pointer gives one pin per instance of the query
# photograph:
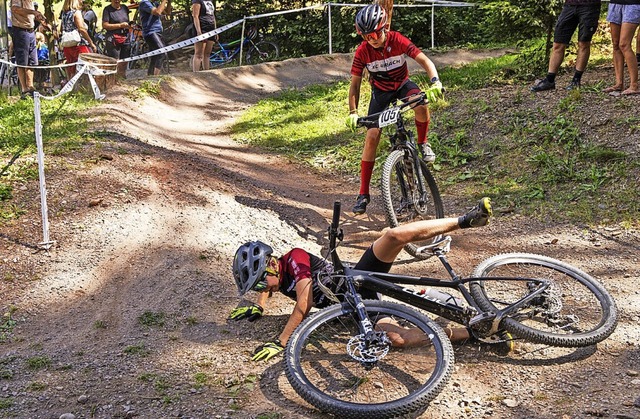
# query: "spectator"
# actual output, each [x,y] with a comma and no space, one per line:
[152,32]
[89,17]
[581,14]
[623,18]
[23,17]
[115,20]
[9,25]
[204,20]
[72,20]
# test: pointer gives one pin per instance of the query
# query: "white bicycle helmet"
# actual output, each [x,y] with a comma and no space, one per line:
[370,19]
[249,265]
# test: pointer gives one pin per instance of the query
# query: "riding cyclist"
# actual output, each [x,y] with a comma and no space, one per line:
[383,53]
[295,274]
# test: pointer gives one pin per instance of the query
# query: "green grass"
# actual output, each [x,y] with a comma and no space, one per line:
[38,362]
[533,159]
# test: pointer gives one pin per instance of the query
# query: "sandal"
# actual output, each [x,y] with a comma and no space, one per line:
[612,89]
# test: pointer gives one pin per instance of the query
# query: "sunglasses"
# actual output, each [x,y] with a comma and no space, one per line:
[373,36]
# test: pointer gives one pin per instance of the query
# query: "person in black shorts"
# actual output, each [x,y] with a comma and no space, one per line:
[295,273]
[204,20]
[115,20]
[581,14]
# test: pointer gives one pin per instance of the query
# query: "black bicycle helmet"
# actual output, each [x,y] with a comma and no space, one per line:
[370,19]
[249,264]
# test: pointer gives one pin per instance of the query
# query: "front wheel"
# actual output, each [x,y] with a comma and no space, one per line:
[575,311]
[329,364]
[404,202]
[263,52]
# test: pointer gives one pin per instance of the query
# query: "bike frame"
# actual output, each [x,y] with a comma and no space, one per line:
[401,139]
[228,53]
[486,323]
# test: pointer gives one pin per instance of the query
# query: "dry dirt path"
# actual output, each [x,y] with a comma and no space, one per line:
[128,313]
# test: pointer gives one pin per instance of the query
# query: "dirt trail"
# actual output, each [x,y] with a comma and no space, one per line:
[130,307]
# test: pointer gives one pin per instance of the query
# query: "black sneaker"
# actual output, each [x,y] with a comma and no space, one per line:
[361,204]
[543,85]
[427,154]
[478,216]
[574,85]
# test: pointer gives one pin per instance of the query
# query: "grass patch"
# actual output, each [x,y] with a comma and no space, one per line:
[150,318]
[139,350]
[7,322]
[6,403]
[38,362]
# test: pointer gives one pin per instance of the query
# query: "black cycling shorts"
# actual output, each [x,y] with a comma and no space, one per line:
[369,262]
[155,41]
[583,17]
[381,99]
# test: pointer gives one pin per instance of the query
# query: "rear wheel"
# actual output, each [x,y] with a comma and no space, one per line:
[575,311]
[263,52]
[328,365]
[403,202]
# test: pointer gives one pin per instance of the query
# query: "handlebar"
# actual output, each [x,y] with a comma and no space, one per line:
[372,121]
[335,234]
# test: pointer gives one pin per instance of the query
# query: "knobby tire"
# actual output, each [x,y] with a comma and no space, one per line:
[576,310]
[403,382]
[399,195]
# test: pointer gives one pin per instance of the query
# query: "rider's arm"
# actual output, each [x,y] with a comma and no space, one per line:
[427,64]
[157,11]
[195,12]
[354,93]
[262,299]
[304,302]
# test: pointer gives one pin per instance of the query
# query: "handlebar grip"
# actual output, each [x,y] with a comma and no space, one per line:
[336,215]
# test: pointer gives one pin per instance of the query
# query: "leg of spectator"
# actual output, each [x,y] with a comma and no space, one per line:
[584,50]
[618,57]
[626,37]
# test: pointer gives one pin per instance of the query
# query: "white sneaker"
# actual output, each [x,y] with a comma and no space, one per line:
[427,154]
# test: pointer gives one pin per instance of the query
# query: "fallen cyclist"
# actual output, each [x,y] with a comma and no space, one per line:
[294,275]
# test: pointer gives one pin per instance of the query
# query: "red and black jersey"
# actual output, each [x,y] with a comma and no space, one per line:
[297,265]
[388,65]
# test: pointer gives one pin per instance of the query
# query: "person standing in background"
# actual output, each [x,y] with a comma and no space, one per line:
[623,17]
[115,20]
[204,20]
[23,17]
[150,13]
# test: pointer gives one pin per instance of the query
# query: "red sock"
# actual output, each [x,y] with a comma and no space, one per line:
[366,170]
[422,128]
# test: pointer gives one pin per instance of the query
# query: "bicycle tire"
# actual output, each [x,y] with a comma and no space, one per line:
[320,369]
[399,195]
[263,52]
[576,311]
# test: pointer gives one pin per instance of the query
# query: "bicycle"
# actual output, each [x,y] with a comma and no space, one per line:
[255,52]
[341,359]
[409,190]
[8,73]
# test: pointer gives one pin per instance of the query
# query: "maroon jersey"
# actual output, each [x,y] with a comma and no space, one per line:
[298,264]
[388,65]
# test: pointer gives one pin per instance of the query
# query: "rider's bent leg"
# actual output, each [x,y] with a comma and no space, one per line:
[387,247]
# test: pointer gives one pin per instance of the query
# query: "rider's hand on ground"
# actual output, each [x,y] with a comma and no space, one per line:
[251,313]
[435,92]
[267,351]
[352,121]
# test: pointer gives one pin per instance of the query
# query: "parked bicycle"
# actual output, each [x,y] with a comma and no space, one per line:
[341,359]
[255,52]
[8,73]
[409,190]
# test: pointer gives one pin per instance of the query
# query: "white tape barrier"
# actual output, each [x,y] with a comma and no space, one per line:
[184,43]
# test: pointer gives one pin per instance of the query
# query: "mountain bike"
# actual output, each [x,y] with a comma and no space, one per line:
[8,73]
[342,359]
[255,52]
[409,190]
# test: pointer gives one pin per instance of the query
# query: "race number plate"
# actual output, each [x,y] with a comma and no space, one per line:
[388,117]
